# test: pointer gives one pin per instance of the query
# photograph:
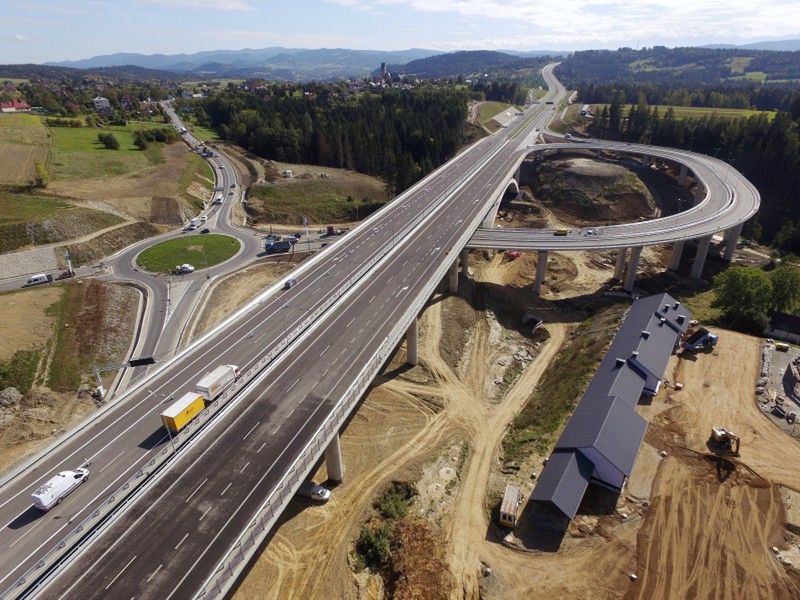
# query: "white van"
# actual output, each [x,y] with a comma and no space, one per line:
[56,488]
[37,279]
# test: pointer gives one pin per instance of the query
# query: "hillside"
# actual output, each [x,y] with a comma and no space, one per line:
[57,73]
[470,63]
[703,66]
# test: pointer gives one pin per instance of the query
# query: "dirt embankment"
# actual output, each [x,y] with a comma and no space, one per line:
[588,190]
[46,369]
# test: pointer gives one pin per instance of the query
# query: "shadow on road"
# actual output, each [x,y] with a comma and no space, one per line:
[26,518]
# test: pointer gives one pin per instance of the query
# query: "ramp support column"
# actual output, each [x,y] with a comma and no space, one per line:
[619,268]
[452,279]
[412,357]
[731,239]
[333,460]
[633,266]
[682,176]
[700,258]
[541,269]
[465,264]
[675,257]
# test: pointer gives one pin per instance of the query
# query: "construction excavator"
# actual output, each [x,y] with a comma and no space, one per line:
[723,442]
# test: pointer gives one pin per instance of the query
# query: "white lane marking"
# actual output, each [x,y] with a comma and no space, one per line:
[244,467]
[153,574]
[205,512]
[183,539]
[120,573]
[324,351]
[108,464]
[350,322]
[291,386]
[196,489]
[11,545]
[251,430]
[226,488]
[261,447]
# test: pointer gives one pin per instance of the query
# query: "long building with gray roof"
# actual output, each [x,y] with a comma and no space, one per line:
[601,440]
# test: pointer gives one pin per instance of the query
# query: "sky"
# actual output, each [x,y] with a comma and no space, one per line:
[53,30]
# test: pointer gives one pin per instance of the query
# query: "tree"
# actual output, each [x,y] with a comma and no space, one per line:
[140,140]
[745,296]
[108,140]
[785,288]
[42,177]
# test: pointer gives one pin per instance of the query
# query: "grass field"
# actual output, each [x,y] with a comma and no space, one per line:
[201,133]
[23,141]
[343,197]
[487,110]
[78,155]
[688,112]
[39,219]
[197,171]
[200,251]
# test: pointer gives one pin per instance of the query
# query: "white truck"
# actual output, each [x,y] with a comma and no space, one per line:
[212,384]
[57,487]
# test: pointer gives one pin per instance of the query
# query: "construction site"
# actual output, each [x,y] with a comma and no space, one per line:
[443,458]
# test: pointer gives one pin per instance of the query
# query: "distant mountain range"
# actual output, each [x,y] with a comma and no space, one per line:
[271,63]
[302,64]
[777,46]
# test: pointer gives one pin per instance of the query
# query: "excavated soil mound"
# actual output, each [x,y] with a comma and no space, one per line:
[589,190]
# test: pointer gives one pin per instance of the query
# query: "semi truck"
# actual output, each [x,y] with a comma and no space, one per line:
[184,409]
[187,407]
[213,383]
[57,487]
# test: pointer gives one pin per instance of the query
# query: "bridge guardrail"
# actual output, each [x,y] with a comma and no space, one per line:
[118,498]
[241,552]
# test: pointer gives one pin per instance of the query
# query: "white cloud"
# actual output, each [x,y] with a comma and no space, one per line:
[609,23]
[22,38]
[227,5]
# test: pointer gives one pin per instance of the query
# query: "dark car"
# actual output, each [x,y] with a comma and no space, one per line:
[205,230]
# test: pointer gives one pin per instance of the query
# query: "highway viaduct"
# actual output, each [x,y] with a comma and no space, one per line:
[192,526]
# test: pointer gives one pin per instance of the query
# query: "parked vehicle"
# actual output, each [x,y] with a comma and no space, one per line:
[205,230]
[277,247]
[312,491]
[212,384]
[700,340]
[780,346]
[57,488]
[40,278]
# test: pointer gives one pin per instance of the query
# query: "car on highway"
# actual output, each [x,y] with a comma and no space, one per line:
[561,232]
[55,489]
[313,491]
[204,218]
[37,279]
[190,227]
[289,284]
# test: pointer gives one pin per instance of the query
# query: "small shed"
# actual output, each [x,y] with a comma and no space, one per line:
[288,174]
[512,498]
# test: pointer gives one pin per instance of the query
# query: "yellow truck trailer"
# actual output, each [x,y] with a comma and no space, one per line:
[183,410]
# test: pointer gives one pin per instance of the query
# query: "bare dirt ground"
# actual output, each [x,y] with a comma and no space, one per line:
[236,290]
[131,196]
[25,324]
[106,312]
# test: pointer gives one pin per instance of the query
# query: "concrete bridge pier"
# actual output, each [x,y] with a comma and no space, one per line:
[682,176]
[465,264]
[633,266]
[541,269]
[730,240]
[333,460]
[700,257]
[675,257]
[488,220]
[619,267]
[412,357]
[452,277]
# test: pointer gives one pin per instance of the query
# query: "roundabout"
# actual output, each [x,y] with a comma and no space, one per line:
[201,251]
